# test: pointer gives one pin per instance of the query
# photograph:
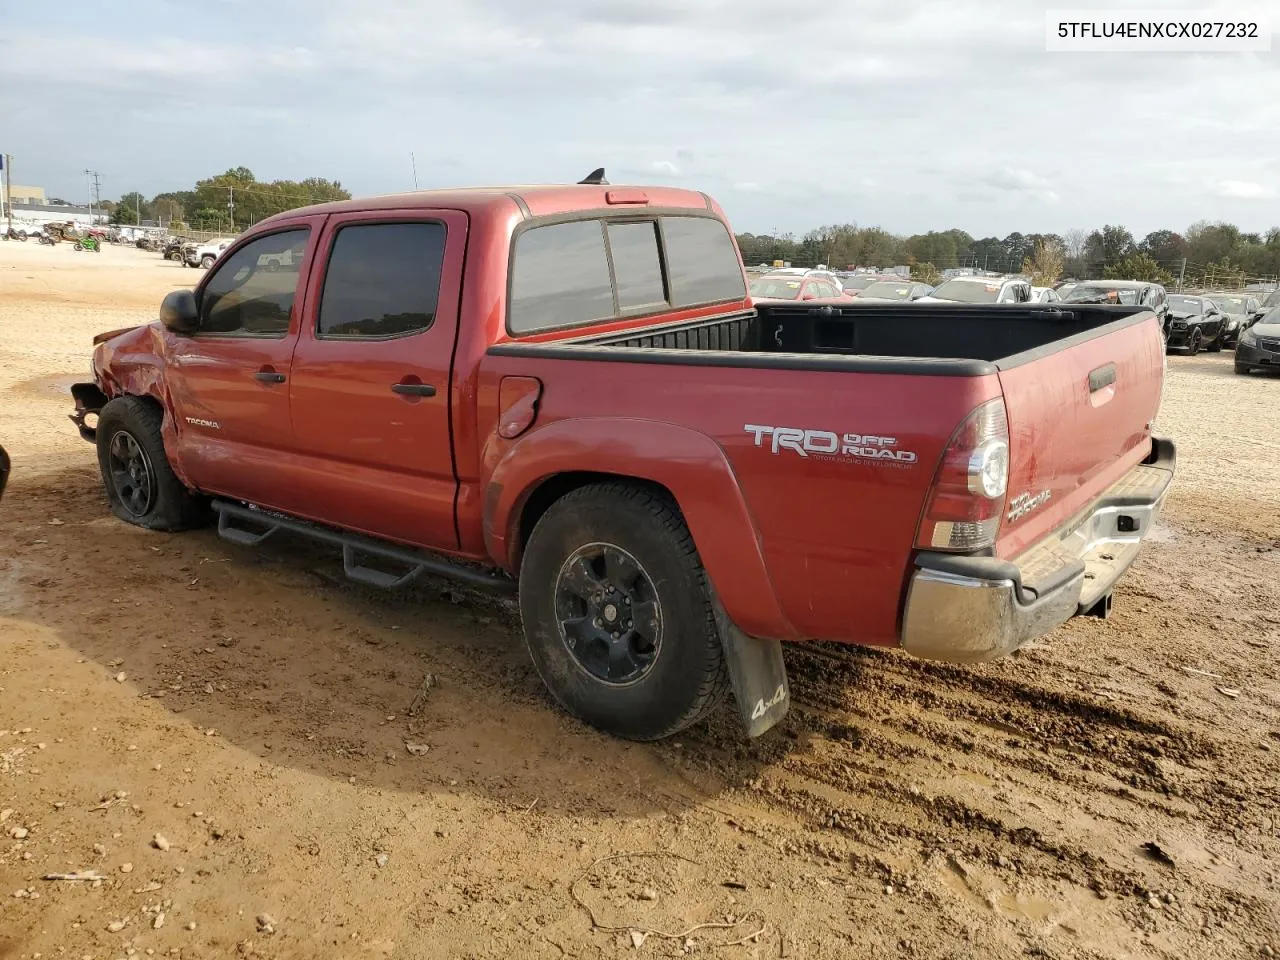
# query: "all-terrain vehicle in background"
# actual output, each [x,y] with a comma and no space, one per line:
[567,392]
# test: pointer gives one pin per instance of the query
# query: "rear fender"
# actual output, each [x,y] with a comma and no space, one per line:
[688,464]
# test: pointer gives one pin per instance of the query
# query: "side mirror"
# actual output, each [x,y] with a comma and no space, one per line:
[179,312]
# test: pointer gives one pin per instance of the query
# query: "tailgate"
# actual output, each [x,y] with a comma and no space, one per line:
[1080,413]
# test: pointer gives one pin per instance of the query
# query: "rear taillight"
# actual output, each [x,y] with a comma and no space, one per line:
[968,494]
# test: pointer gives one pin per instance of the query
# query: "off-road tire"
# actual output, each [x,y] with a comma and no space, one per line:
[171,506]
[687,678]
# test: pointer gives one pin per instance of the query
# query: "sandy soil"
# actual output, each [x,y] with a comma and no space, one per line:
[1110,792]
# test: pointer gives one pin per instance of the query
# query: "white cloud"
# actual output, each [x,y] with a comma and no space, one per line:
[1243,190]
[922,115]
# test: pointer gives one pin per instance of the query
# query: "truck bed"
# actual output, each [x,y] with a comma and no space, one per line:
[976,340]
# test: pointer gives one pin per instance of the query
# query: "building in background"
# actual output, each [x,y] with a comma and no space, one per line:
[31,205]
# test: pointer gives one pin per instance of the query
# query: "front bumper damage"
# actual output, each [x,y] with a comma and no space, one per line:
[89,403]
[967,609]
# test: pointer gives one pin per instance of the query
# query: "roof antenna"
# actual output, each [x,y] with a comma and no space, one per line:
[595,178]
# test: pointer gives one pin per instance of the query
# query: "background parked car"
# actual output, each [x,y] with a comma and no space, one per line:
[894,291]
[1045,295]
[980,290]
[1259,346]
[788,286]
[852,284]
[206,254]
[1272,300]
[1195,323]
[1240,310]
[1126,293]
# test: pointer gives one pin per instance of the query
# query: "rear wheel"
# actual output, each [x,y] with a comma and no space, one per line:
[141,486]
[617,613]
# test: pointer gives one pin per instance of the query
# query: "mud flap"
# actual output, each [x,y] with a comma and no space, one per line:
[757,674]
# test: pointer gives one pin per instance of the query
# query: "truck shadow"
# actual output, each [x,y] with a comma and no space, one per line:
[284,658]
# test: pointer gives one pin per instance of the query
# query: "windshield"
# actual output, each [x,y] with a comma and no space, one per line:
[1233,305]
[776,288]
[888,290]
[1096,293]
[1186,304]
[1273,299]
[968,291]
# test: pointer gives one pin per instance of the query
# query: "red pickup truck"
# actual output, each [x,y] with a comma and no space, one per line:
[568,390]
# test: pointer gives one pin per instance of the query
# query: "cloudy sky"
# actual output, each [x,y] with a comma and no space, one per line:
[908,114]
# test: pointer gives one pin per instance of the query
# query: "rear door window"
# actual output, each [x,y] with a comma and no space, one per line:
[702,261]
[383,281]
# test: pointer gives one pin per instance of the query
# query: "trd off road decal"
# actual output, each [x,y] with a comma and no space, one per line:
[825,445]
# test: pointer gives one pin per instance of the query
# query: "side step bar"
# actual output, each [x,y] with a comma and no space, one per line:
[250,526]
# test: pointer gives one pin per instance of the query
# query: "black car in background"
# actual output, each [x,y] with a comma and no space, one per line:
[1195,324]
[1239,311]
[1144,293]
[1259,346]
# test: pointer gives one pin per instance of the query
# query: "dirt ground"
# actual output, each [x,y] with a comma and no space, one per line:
[220,734]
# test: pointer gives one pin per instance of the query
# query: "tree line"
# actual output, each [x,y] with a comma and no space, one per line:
[1206,254]
[228,202]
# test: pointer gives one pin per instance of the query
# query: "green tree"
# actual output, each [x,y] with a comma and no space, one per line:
[1137,266]
[1107,246]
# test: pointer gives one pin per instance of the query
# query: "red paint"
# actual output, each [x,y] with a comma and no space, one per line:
[796,547]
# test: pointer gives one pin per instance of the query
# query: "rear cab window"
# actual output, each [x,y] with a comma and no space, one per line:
[596,269]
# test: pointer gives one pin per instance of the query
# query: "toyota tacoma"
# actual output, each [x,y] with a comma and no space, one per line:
[567,391]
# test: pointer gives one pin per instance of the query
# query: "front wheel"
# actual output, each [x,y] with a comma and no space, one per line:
[617,613]
[141,486]
[1195,342]
[1242,368]
[207,261]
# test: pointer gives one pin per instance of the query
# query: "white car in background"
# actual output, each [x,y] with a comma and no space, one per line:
[980,290]
[1045,295]
[206,254]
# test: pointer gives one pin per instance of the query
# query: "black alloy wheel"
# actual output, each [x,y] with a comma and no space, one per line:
[608,611]
[132,474]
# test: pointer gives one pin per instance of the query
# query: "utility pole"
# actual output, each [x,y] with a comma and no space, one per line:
[7,159]
[137,206]
[231,206]
[93,182]
[414,163]
[1182,274]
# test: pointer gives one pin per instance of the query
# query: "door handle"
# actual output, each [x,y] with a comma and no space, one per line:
[269,376]
[414,389]
[1102,377]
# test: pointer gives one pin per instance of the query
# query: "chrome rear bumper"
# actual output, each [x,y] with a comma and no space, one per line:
[965,609]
